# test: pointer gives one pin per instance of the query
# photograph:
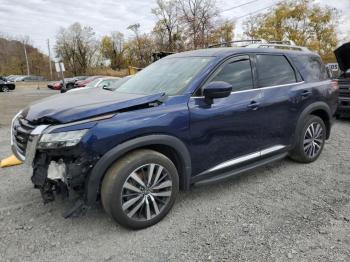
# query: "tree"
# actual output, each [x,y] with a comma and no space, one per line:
[77,47]
[142,45]
[167,12]
[305,23]
[222,33]
[197,19]
[112,48]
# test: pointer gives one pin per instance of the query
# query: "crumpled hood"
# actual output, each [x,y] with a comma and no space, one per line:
[342,54]
[69,107]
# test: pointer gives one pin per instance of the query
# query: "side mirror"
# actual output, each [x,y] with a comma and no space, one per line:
[217,89]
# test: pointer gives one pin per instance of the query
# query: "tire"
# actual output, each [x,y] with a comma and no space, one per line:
[69,86]
[4,89]
[310,140]
[128,202]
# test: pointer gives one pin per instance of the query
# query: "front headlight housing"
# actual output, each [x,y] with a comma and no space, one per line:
[61,140]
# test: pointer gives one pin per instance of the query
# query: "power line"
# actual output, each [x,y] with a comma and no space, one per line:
[256,11]
[238,6]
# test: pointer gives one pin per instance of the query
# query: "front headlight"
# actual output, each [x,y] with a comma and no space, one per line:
[62,139]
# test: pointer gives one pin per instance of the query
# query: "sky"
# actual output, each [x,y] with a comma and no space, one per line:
[41,19]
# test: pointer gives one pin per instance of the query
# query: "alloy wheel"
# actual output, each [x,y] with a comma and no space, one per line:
[5,89]
[313,139]
[146,192]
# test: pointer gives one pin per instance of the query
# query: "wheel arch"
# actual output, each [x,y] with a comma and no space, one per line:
[170,146]
[320,109]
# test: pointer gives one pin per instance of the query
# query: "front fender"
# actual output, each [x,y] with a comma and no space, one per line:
[94,180]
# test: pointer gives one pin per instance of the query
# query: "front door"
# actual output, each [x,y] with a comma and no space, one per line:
[230,127]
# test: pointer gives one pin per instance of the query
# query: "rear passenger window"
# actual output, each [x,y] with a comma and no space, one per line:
[238,73]
[313,67]
[274,70]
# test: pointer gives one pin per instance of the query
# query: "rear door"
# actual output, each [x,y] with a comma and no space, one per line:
[282,91]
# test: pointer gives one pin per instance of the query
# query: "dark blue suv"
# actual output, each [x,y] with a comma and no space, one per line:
[191,118]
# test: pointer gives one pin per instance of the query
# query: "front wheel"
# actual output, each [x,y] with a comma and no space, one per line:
[310,140]
[139,189]
[4,89]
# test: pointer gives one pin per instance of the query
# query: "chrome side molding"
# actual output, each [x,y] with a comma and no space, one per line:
[244,158]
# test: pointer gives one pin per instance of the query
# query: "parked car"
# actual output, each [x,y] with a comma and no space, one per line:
[69,82]
[12,78]
[103,82]
[86,81]
[343,57]
[55,85]
[5,85]
[119,83]
[30,78]
[188,119]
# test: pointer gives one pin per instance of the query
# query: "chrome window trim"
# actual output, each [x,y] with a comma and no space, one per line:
[259,88]
[244,158]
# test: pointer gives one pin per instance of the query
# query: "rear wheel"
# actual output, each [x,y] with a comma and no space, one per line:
[310,140]
[140,189]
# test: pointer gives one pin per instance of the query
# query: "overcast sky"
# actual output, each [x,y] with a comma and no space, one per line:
[41,19]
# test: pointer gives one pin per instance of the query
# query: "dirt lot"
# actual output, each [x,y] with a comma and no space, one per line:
[283,212]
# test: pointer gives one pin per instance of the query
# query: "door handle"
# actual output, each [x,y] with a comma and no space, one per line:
[254,105]
[306,93]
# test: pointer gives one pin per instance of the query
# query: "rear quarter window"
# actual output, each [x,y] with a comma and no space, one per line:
[311,67]
[274,70]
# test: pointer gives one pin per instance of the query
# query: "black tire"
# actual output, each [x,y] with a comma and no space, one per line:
[306,141]
[69,86]
[4,89]
[113,189]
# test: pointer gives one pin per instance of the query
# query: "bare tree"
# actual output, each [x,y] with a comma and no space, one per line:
[76,46]
[113,48]
[167,12]
[197,18]
[135,28]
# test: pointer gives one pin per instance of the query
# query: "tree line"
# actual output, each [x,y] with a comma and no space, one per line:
[192,24]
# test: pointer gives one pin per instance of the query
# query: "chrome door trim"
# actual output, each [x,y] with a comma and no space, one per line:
[259,88]
[233,162]
[242,159]
[271,150]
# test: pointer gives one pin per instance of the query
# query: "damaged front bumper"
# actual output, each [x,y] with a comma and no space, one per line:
[55,171]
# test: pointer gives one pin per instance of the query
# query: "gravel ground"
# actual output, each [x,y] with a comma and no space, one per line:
[282,212]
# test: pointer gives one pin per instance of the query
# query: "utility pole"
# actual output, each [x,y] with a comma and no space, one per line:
[50,63]
[25,54]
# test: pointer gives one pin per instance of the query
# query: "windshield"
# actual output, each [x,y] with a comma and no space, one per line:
[170,75]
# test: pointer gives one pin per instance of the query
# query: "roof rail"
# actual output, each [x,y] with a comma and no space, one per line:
[279,46]
[283,42]
[262,43]
[248,41]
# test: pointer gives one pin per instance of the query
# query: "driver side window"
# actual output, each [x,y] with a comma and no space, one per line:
[238,73]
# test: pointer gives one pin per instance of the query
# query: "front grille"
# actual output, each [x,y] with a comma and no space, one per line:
[21,130]
[344,88]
